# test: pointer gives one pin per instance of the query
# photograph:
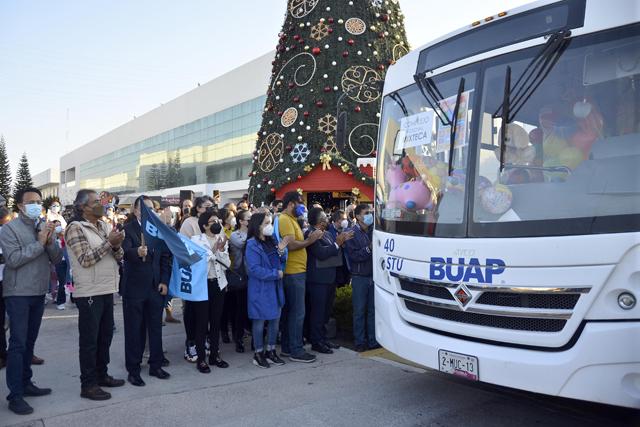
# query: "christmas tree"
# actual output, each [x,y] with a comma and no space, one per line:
[5,171]
[329,52]
[23,178]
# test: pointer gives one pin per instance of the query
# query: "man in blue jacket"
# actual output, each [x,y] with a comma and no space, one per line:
[361,264]
[147,274]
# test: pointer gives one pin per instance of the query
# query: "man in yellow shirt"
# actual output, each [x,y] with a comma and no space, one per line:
[295,275]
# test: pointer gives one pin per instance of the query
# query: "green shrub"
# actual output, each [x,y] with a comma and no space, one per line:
[343,310]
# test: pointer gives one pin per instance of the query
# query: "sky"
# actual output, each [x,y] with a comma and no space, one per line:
[72,70]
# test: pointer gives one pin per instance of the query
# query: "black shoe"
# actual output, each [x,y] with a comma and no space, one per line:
[95,393]
[216,360]
[361,348]
[374,346]
[165,362]
[109,381]
[136,380]
[225,337]
[239,347]
[321,348]
[203,367]
[260,360]
[272,357]
[331,345]
[159,373]
[33,391]
[20,407]
[303,358]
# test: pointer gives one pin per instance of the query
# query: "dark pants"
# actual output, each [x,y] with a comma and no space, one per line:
[293,313]
[142,318]
[95,327]
[363,311]
[207,319]
[61,272]
[189,320]
[3,337]
[235,304]
[318,304]
[25,316]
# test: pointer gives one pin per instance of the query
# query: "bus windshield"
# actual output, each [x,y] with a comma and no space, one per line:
[571,155]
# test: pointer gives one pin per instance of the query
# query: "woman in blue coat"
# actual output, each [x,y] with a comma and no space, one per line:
[263,262]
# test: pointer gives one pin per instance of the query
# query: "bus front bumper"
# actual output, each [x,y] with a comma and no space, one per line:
[602,366]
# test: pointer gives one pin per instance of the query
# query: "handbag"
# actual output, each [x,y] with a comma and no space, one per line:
[236,281]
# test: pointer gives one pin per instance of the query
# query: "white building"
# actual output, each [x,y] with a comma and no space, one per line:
[48,182]
[210,130]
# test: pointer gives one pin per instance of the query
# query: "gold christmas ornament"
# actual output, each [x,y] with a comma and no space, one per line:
[270,152]
[301,8]
[355,191]
[327,124]
[289,117]
[300,191]
[330,146]
[355,26]
[345,168]
[307,169]
[325,159]
[360,82]
[319,31]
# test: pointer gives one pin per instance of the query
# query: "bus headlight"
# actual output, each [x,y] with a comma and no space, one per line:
[626,301]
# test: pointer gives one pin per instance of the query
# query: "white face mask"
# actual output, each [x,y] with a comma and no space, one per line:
[267,230]
[344,223]
[58,229]
[55,209]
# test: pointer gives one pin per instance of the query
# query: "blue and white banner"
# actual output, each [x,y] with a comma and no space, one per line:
[190,282]
[190,261]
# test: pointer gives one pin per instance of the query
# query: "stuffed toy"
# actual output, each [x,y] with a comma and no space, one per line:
[496,199]
[412,195]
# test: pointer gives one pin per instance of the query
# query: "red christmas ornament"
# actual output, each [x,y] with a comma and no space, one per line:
[306,114]
[301,41]
[381,35]
[270,108]
[296,37]
[315,51]
[289,148]
[357,109]
[296,99]
[299,176]
[350,42]
[374,153]
[330,20]
[327,88]
[381,67]
[279,113]
[350,173]
[273,189]
[384,18]
[319,104]
[265,179]
[291,85]
[329,30]
[345,53]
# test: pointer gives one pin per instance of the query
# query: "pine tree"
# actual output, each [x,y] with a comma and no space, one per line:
[23,178]
[5,171]
[153,178]
[328,52]
[177,170]
[162,176]
[172,174]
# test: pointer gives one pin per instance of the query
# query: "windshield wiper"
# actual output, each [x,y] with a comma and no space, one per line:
[396,97]
[454,125]
[532,77]
[433,96]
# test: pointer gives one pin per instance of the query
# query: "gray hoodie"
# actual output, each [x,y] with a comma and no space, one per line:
[27,263]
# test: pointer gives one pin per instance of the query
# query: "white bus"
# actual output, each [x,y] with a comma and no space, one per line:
[507,234]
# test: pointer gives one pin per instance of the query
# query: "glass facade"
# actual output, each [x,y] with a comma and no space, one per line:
[215,148]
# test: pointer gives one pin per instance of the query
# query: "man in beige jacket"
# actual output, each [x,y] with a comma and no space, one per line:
[94,252]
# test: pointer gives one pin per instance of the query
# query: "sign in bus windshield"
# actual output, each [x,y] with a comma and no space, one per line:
[563,15]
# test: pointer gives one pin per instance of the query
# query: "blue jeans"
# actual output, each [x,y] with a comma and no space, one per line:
[25,316]
[257,330]
[363,305]
[61,272]
[293,313]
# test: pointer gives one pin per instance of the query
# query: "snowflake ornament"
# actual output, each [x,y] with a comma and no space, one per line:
[377,3]
[300,153]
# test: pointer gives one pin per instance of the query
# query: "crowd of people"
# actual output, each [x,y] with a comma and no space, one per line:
[272,275]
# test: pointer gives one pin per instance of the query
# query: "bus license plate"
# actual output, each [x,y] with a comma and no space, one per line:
[458,364]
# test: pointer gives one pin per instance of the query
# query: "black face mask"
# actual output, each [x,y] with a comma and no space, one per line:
[210,209]
[186,211]
[216,228]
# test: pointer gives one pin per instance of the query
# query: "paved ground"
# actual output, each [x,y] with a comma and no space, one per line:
[344,389]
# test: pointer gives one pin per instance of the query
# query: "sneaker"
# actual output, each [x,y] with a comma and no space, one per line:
[284,353]
[20,407]
[30,389]
[321,348]
[273,358]
[331,345]
[260,360]
[190,354]
[303,358]
[61,307]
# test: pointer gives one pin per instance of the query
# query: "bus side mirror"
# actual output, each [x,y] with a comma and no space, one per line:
[341,131]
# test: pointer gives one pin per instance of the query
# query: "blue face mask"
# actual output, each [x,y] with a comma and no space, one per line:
[368,219]
[33,210]
[300,210]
